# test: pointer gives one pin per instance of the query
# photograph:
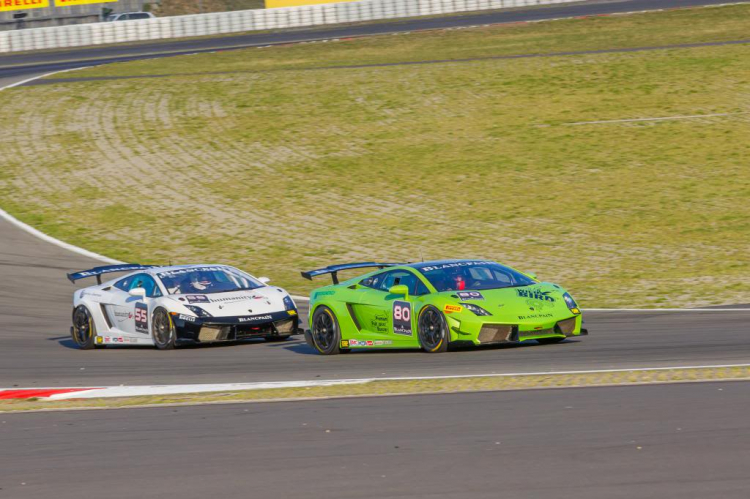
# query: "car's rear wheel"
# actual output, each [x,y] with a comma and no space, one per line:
[432,330]
[163,330]
[326,335]
[83,331]
[549,341]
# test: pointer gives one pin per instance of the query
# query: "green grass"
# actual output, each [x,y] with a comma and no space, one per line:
[278,169]
[397,387]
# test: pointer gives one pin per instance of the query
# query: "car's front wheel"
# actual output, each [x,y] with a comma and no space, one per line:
[163,330]
[325,332]
[432,330]
[83,331]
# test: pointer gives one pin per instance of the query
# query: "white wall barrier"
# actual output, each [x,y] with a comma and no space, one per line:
[246,20]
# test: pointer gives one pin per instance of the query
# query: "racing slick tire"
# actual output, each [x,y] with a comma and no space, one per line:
[432,330]
[549,341]
[83,331]
[163,330]
[325,332]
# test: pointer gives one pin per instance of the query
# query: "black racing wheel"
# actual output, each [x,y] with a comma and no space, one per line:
[432,330]
[83,331]
[326,335]
[162,327]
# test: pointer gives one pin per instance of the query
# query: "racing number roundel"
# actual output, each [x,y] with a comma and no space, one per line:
[402,318]
[141,318]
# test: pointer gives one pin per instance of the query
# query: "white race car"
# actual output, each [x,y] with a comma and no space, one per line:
[166,306]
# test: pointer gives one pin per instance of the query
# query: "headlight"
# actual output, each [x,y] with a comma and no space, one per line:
[288,303]
[198,311]
[571,303]
[475,308]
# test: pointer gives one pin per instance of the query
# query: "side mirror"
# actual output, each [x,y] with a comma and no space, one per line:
[139,292]
[399,289]
[264,280]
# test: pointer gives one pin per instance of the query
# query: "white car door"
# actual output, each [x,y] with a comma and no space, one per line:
[132,313]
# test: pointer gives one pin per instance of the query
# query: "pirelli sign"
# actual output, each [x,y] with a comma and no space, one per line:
[8,5]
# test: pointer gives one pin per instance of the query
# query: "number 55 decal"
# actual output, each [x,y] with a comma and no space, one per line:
[141,318]
[402,318]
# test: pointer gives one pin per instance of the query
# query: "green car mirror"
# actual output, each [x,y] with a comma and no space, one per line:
[399,289]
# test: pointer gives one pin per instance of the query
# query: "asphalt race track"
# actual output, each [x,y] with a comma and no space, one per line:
[36,351]
[35,296]
[686,441]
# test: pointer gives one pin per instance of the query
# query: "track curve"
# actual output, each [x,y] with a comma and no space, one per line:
[35,297]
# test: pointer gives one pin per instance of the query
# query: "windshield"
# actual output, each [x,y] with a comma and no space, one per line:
[111,17]
[474,275]
[206,280]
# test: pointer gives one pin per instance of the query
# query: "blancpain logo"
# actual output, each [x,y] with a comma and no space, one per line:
[256,318]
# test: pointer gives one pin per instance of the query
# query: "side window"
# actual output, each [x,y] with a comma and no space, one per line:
[146,282]
[140,16]
[405,278]
[374,281]
[421,289]
[124,284]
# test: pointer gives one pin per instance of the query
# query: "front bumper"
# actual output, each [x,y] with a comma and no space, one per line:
[490,331]
[218,329]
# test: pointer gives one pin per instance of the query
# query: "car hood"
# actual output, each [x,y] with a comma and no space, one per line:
[237,303]
[525,301]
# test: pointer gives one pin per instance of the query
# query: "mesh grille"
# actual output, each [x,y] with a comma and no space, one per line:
[494,333]
[567,326]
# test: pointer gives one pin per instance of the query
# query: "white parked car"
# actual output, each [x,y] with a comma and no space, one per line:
[129,16]
[166,306]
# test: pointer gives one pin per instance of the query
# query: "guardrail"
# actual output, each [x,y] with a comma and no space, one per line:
[243,20]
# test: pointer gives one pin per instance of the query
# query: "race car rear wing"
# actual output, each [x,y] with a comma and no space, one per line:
[106,269]
[334,269]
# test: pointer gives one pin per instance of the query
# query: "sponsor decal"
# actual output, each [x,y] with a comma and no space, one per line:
[99,340]
[449,309]
[428,268]
[535,304]
[365,343]
[255,318]
[291,312]
[84,292]
[187,318]
[536,294]
[197,299]
[379,323]
[189,270]
[470,295]
[535,316]
[402,318]
[107,339]
[141,318]
[123,316]
[8,5]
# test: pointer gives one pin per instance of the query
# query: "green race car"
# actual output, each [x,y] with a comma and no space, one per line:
[431,305]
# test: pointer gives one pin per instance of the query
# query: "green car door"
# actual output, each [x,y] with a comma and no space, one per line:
[387,319]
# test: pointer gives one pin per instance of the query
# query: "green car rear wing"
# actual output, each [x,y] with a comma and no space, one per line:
[334,269]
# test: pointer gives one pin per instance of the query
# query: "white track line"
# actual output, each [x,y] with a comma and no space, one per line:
[132,391]
[665,118]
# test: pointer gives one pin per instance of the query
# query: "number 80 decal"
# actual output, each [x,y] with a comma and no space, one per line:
[402,318]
